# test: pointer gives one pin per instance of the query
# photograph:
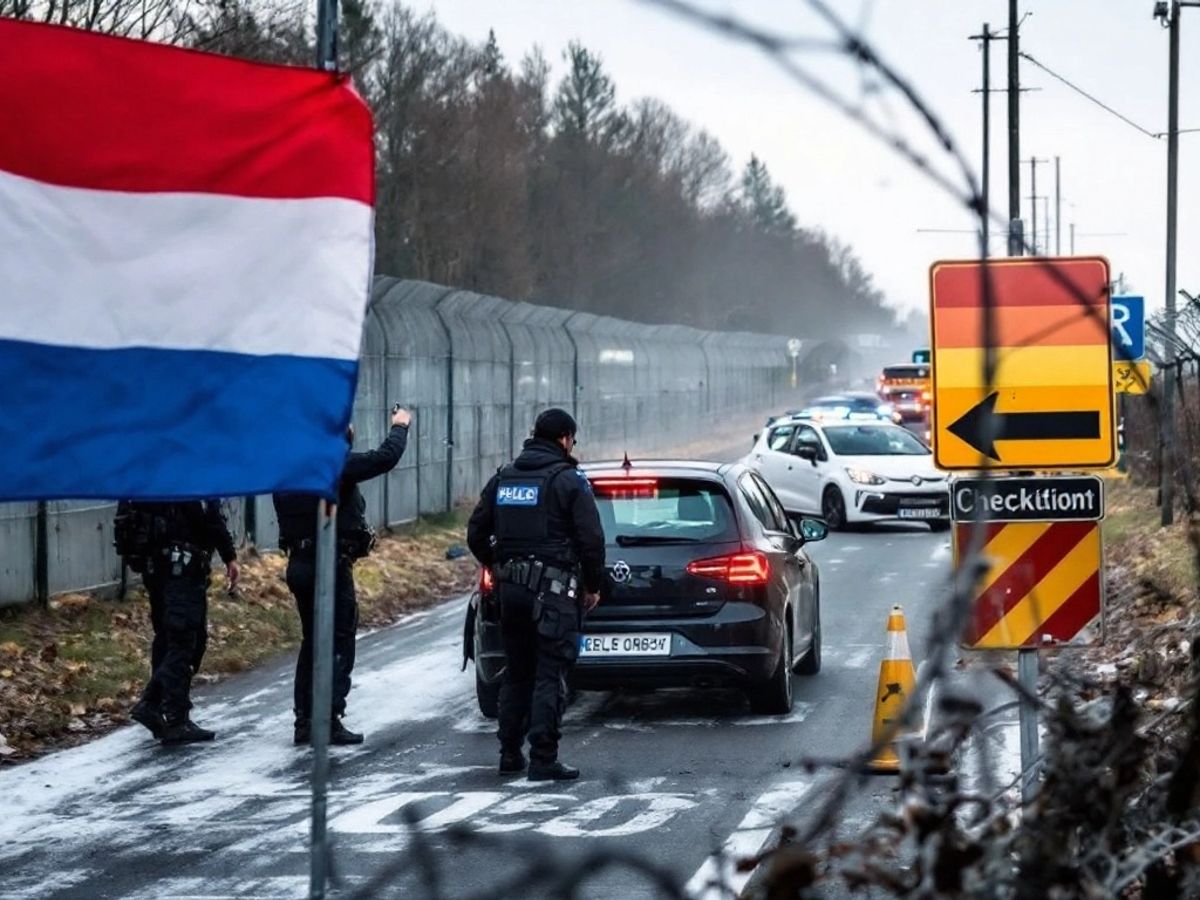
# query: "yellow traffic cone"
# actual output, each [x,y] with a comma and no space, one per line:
[897,679]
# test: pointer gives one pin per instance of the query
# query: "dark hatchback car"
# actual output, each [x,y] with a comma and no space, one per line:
[709,586]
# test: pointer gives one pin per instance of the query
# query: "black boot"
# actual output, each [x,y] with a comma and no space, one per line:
[185,731]
[148,715]
[302,734]
[552,771]
[341,735]
[512,762]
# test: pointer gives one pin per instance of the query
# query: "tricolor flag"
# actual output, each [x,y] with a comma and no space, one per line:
[185,257]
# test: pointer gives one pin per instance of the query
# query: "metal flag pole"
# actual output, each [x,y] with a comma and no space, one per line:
[322,693]
[326,561]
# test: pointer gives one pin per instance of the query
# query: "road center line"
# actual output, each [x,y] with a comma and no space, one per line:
[719,875]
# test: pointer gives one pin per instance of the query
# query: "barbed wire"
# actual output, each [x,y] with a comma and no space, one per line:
[927,822]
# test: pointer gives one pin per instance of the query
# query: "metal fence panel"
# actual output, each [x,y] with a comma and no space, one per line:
[17,550]
[80,547]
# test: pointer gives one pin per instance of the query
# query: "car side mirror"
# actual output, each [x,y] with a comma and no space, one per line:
[810,530]
[807,451]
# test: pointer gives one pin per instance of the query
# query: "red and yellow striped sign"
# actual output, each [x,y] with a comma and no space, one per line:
[1042,586]
[1053,365]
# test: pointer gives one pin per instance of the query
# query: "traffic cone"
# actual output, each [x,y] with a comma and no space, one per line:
[897,680]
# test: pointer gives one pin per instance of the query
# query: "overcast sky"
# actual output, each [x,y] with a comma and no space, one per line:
[839,179]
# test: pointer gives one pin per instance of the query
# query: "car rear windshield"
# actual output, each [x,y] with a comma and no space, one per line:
[851,440]
[664,509]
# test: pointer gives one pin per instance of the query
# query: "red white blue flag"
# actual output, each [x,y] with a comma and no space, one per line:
[185,258]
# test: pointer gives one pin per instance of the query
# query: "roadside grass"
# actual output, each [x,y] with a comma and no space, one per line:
[1134,539]
[71,671]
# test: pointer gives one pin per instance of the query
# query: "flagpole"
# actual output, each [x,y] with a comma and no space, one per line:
[326,562]
[322,693]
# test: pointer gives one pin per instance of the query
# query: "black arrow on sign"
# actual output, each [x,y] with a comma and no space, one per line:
[981,426]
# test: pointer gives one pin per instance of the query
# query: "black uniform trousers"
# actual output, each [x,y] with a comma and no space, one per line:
[302,582]
[179,615]
[533,691]
[156,588]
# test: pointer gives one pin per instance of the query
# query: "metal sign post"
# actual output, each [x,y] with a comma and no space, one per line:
[794,345]
[1027,678]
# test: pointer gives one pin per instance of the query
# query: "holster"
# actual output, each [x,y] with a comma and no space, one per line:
[179,559]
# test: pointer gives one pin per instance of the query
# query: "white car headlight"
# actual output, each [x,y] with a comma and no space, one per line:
[862,476]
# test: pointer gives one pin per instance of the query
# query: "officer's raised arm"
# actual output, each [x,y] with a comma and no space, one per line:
[372,463]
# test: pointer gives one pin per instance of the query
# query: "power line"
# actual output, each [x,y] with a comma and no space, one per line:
[1098,102]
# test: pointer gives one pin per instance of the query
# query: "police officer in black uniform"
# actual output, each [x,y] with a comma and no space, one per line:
[171,544]
[297,515]
[536,525]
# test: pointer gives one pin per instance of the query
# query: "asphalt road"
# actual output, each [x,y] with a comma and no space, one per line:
[676,781]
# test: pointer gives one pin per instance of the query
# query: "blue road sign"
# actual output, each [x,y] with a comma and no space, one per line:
[1128,328]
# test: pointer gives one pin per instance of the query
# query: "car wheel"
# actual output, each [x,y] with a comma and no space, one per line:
[775,697]
[488,695]
[833,509]
[810,664]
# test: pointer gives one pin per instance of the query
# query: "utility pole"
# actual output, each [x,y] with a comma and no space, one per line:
[1016,240]
[1166,422]
[1057,206]
[1072,238]
[986,37]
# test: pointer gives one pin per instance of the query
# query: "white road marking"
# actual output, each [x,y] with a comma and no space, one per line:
[659,809]
[718,878]
[510,810]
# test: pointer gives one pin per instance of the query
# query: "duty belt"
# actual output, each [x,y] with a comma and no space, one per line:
[533,574]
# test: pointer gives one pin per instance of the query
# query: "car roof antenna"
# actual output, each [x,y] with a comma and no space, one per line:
[626,464]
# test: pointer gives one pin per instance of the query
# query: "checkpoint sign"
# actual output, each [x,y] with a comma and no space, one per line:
[1050,404]
[1042,586]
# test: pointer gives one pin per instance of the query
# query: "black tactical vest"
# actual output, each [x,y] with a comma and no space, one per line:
[525,525]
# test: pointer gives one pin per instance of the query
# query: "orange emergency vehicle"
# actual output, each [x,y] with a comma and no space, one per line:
[909,388]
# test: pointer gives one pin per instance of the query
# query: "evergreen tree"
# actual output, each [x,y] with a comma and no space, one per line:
[764,201]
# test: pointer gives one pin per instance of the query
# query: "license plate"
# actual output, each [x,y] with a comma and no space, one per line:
[625,645]
[918,513]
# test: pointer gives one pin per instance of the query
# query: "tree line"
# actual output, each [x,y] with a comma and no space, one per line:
[496,177]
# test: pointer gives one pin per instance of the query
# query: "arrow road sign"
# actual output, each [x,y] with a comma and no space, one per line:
[982,426]
[1046,401]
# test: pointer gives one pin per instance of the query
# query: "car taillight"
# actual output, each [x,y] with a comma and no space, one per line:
[487,581]
[737,568]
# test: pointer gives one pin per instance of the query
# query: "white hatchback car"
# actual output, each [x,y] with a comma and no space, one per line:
[849,472]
